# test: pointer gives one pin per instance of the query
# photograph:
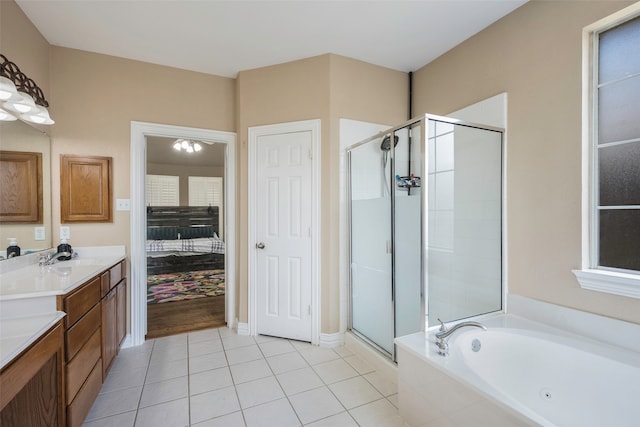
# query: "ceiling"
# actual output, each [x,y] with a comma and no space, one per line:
[160,151]
[225,37]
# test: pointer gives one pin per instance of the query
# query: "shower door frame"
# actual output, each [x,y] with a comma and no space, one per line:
[423,122]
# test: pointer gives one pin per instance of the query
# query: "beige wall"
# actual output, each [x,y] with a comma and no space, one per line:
[327,87]
[95,98]
[533,54]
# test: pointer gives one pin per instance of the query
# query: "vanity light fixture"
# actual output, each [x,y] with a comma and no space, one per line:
[186,145]
[20,97]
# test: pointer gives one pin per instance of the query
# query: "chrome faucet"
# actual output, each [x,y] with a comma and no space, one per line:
[443,334]
[50,259]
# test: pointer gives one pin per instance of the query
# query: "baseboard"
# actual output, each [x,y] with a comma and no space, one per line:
[127,342]
[332,340]
[243,328]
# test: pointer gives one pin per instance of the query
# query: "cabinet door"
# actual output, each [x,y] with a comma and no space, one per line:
[121,312]
[85,189]
[109,308]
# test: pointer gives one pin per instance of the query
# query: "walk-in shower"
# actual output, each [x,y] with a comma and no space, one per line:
[425,227]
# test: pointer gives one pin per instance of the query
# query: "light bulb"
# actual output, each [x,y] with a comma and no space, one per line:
[177,146]
[185,144]
[197,147]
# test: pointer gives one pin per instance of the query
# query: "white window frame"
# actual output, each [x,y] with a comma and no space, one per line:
[172,180]
[217,183]
[590,276]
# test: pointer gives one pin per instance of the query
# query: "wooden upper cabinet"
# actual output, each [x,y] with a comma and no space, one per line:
[20,187]
[85,189]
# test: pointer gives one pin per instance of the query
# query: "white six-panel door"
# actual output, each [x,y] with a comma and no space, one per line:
[283,235]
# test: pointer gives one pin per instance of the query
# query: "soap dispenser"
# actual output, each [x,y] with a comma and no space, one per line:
[13,249]
[64,246]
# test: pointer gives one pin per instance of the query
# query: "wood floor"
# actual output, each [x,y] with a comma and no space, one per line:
[176,317]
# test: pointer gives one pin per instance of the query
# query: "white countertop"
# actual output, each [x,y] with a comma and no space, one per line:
[29,280]
[18,333]
[28,293]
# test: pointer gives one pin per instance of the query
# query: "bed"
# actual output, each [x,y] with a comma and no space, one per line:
[183,238]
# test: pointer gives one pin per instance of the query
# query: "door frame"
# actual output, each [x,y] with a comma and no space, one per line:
[255,132]
[138,257]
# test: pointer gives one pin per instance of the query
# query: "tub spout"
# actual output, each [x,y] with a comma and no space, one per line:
[444,333]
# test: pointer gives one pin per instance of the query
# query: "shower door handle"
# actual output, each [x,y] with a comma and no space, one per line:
[260,245]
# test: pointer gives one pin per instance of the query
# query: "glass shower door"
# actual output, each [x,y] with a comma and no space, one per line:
[371,288]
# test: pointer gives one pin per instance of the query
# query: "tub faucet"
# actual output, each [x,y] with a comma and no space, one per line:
[443,334]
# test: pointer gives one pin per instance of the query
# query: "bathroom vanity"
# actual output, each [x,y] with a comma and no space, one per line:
[69,316]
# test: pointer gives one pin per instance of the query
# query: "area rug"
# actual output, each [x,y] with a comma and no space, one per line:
[181,286]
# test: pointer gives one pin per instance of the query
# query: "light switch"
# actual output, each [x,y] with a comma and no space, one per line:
[39,233]
[123,205]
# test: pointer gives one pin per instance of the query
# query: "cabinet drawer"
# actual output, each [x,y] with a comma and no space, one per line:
[110,278]
[79,333]
[81,301]
[80,366]
[78,409]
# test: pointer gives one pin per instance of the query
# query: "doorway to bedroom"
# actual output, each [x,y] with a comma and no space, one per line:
[185,246]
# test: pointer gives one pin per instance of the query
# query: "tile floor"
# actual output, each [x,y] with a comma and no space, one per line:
[218,378]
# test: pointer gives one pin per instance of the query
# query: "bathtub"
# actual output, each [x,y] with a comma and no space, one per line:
[518,372]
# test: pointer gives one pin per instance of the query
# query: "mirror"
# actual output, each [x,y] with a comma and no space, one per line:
[19,136]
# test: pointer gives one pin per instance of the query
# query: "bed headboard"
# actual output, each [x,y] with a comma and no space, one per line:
[188,222]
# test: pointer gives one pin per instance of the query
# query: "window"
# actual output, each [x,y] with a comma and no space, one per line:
[612,155]
[207,191]
[162,190]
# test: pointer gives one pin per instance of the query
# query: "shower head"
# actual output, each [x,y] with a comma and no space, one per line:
[385,145]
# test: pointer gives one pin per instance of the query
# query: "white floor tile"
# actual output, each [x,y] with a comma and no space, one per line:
[213,404]
[383,383]
[244,354]
[204,335]
[354,392]
[121,420]
[168,353]
[343,351]
[286,362]
[360,365]
[115,402]
[205,347]
[164,391]
[235,341]
[300,380]
[169,414]
[249,371]
[277,413]
[234,419]
[273,348]
[342,419]
[258,391]
[207,362]
[213,379]
[165,371]
[315,355]
[315,404]
[334,371]
[265,338]
[172,340]
[225,332]
[380,413]
[394,400]
[117,380]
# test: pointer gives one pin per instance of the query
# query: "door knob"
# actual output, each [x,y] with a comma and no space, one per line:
[260,245]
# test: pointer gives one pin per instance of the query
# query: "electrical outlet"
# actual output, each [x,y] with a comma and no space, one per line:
[65,232]
[39,233]
[123,205]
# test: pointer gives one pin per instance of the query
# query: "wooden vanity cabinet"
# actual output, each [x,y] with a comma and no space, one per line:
[82,340]
[32,384]
[113,313]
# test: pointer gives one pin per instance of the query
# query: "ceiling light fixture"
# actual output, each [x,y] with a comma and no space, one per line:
[186,145]
[20,97]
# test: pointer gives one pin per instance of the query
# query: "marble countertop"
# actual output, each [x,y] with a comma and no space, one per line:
[18,333]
